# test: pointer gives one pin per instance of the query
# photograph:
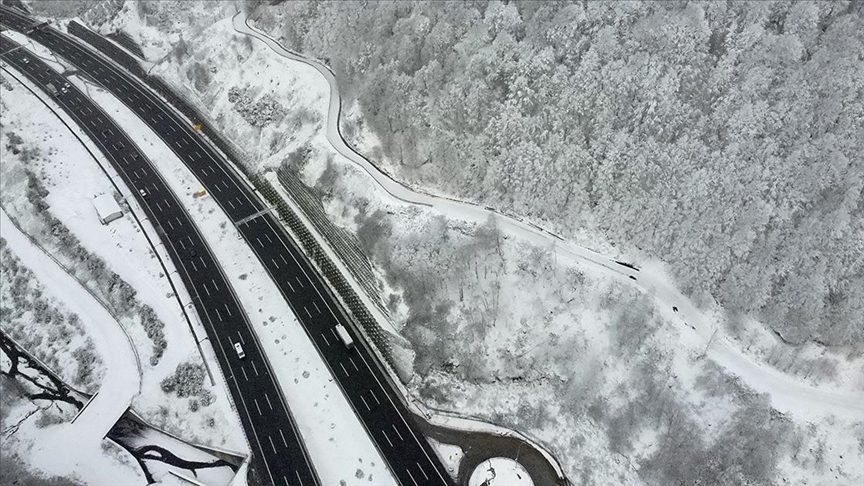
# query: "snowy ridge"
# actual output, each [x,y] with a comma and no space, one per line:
[787,394]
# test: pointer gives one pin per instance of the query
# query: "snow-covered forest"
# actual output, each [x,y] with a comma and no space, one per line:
[721,137]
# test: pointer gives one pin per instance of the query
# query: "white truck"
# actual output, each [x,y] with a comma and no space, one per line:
[344,336]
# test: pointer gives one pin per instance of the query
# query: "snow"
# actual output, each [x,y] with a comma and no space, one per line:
[500,471]
[125,250]
[74,448]
[451,455]
[332,433]
[787,393]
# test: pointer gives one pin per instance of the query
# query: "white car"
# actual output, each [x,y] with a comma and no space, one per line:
[25,60]
[142,192]
[239,349]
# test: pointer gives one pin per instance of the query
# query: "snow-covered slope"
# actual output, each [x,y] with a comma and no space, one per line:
[786,393]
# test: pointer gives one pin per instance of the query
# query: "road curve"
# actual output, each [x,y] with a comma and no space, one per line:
[122,379]
[787,395]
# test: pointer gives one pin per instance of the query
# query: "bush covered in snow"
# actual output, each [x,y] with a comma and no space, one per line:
[258,113]
[188,382]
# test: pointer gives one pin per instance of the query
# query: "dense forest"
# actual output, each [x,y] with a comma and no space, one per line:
[723,137]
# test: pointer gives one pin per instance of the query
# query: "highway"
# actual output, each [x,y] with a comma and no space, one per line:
[276,444]
[386,419]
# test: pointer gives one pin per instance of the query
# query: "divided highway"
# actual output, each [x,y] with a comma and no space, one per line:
[276,443]
[388,422]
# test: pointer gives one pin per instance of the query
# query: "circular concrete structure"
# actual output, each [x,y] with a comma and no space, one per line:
[500,471]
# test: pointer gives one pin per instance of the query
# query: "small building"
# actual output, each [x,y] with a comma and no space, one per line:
[107,208]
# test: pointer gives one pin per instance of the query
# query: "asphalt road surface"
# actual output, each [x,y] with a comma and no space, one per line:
[387,421]
[275,441]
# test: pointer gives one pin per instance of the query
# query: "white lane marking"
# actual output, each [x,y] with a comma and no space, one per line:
[182,245]
[216,287]
[190,240]
[325,339]
[194,267]
[421,470]
[259,413]
[298,281]
[316,307]
[286,481]
[205,288]
[283,438]
[307,312]
[344,370]
[271,440]
[159,207]
[227,310]
[388,438]
[244,373]
[232,207]
[352,364]
[217,188]
[298,477]
[275,264]
[270,405]
[413,435]
[241,338]
[375,397]
[265,234]
[289,284]
[169,223]
[364,403]
[333,330]
[283,259]
[259,242]
[218,314]
[412,477]
[203,263]
[397,432]
[179,223]
[255,369]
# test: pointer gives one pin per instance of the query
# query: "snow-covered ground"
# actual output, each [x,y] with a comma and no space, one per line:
[336,440]
[787,392]
[500,471]
[69,445]
[450,454]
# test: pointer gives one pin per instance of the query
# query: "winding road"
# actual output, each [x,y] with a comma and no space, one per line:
[787,394]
